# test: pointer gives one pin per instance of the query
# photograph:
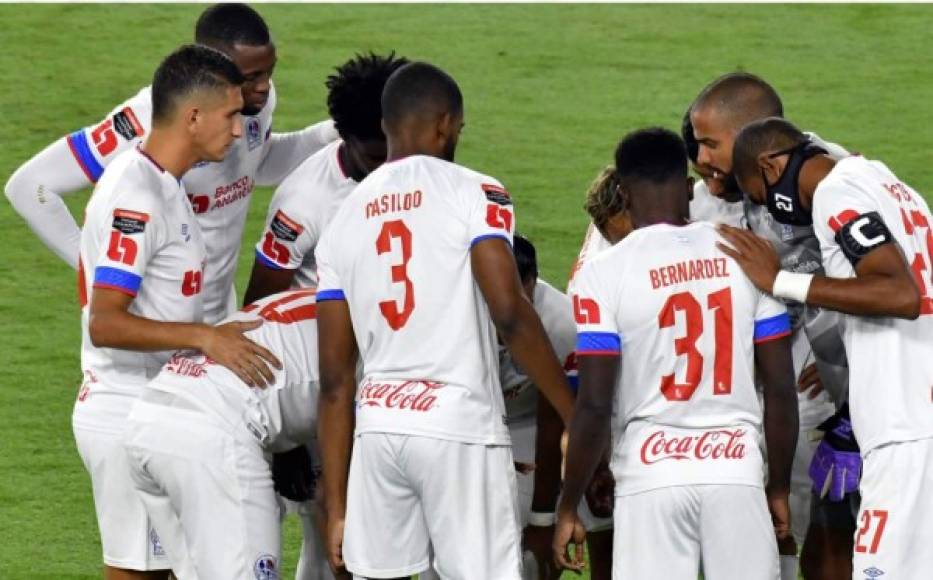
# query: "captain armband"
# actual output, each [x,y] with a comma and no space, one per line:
[861,235]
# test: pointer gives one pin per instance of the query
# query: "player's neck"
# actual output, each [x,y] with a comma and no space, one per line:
[169,152]
[665,219]
[812,172]
[403,146]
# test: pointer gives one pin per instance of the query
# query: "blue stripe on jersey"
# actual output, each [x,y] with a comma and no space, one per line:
[774,327]
[323,295]
[479,239]
[267,262]
[84,156]
[114,277]
[598,343]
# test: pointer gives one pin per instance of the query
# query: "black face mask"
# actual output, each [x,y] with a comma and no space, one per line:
[783,198]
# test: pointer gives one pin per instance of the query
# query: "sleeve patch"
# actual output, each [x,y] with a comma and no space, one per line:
[284,228]
[496,194]
[861,235]
[592,343]
[324,295]
[117,279]
[129,222]
[78,144]
[127,125]
[772,328]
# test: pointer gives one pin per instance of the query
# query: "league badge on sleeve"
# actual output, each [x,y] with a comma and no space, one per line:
[253,133]
[129,222]
[127,125]
[496,194]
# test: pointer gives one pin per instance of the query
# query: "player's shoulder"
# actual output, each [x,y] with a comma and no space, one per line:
[315,177]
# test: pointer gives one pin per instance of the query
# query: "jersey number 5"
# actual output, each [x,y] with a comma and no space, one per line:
[389,308]
[721,302]
[122,248]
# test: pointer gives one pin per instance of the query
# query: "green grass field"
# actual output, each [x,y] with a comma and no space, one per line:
[548,89]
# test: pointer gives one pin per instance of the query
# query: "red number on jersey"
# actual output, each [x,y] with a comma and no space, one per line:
[199,203]
[191,283]
[105,140]
[389,308]
[921,263]
[498,217]
[869,517]
[275,250]
[721,302]
[585,310]
[273,311]
[122,248]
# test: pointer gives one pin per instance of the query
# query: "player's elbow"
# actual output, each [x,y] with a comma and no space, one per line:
[14,188]
[100,330]
[507,315]
[906,301]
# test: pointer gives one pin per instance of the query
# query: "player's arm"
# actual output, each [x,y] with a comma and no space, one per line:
[883,284]
[338,354]
[265,280]
[281,248]
[286,151]
[517,322]
[112,325]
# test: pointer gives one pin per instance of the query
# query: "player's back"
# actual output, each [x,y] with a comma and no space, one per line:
[398,250]
[281,415]
[687,318]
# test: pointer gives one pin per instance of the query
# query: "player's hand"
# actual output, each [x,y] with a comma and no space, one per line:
[810,380]
[333,543]
[227,346]
[293,475]
[568,531]
[601,491]
[756,256]
[537,540]
[779,506]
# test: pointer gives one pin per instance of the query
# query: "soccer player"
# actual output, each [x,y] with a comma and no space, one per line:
[876,242]
[198,438]
[674,376]
[720,110]
[219,191]
[308,198]
[416,274]
[140,280]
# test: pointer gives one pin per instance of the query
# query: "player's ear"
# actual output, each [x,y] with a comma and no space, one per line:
[191,115]
[771,167]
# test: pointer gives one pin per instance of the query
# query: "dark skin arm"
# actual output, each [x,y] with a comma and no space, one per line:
[338,355]
[112,325]
[781,425]
[265,281]
[883,284]
[588,433]
[517,322]
[546,487]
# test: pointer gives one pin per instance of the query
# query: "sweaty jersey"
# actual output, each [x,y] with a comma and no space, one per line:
[284,414]
[685,319]
[219,192]
[141,238]
[890,362]
[556,314]
[300,210]
[398,251]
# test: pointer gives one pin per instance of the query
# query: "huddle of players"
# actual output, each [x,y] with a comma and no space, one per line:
[178,442]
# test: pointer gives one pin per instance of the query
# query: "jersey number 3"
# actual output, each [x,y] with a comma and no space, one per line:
[390,311]
[721,302]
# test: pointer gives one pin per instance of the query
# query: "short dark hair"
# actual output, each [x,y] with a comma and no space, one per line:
[526,257]
[655,155]
[190,68]
[419,88]
[771,134]
[742,96]
[223,25]
[354,99]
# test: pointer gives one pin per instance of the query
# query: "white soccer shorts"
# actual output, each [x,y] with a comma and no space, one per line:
[127,536]
[895,521]
[198,473]
[408,493]
[665,533]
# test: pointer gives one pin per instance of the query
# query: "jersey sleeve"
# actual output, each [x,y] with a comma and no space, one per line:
[834,207]
[771,319]
[286,239]
[597,328]
[286,151]
[491,214]
[329,285]
[94,147]
[131,234]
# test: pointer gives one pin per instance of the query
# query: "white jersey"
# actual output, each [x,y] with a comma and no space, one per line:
[219,192]
[140,237]
[685,319]
[890,367]
[300,210]
[284,414]
[398,251]
[556,313]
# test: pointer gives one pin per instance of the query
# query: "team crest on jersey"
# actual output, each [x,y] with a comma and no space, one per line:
[496,194]
[284,228]
[253,133]
[129,222]
[872,573]
[156,543]
[787,232]
[266,568]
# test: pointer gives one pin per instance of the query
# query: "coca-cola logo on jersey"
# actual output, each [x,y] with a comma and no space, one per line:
[717,444]
[408,395]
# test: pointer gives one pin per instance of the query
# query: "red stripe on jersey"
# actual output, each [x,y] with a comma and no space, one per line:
[772,337]
[598,353]
[82,285]
[119,289]
[74,153]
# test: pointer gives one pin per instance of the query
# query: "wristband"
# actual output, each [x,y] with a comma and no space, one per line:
[792,286]
[541,519]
